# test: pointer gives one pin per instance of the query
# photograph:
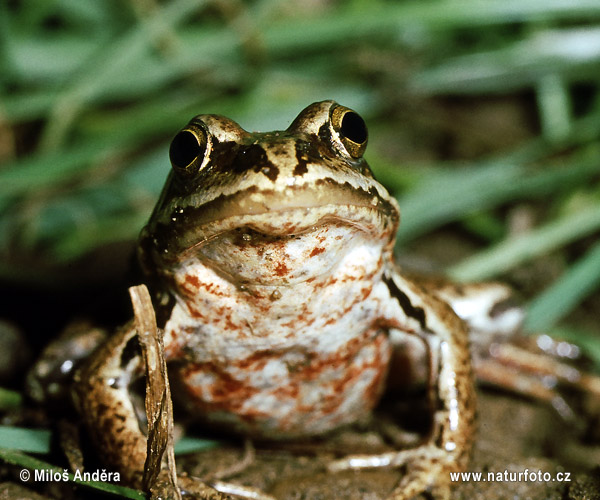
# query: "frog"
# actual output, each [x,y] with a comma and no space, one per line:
[270,256]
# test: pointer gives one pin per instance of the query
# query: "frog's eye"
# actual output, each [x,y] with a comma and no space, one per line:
[350,129]
[188,149]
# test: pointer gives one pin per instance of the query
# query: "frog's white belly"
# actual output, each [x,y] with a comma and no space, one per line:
[309,361]
[283,395]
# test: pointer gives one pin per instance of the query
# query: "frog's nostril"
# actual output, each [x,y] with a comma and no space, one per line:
[185,148]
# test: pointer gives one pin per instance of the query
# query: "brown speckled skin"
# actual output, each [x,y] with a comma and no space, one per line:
[272,259]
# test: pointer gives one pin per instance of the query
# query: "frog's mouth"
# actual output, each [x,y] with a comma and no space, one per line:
[249,232]
[189,230]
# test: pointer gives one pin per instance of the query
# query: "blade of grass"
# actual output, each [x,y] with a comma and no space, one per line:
[27,105]
[116,57]
[126,65]
[102,231]
[9,399]
[512,252]
[450,195]
[46,170]
[565,294]
[39,60]
[188,444]
[554,106]
[290,33]
[568,54]
[30,440]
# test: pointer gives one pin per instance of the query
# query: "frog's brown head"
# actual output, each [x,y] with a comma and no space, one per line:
[232,194]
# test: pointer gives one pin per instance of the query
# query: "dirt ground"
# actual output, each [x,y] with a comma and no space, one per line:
[514,435]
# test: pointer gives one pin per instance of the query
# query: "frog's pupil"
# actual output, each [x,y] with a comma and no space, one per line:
[354,128]
[184,149]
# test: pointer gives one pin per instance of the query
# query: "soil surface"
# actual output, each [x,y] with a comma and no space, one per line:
[514,435]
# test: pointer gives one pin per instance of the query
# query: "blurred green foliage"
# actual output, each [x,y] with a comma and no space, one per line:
[90,93]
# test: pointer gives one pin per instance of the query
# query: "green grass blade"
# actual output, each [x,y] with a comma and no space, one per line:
[30,440]
[521,64]
[449,194]
[446,196]
[190,444]
[515,251]
[564,295]
[98,231]
[43,170]
[9,399]
[114,60]
[291,33]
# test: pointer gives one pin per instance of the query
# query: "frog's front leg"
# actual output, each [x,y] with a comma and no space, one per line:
[411,310]
[102,396]
[536,366]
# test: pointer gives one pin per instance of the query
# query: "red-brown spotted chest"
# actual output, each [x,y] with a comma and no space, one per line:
[299,357]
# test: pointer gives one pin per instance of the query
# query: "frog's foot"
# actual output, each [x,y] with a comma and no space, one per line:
[428,468]
[49,381]
[240,491]
[399,437]
[214,483]
[239,466]
[529,369]
[194,488]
